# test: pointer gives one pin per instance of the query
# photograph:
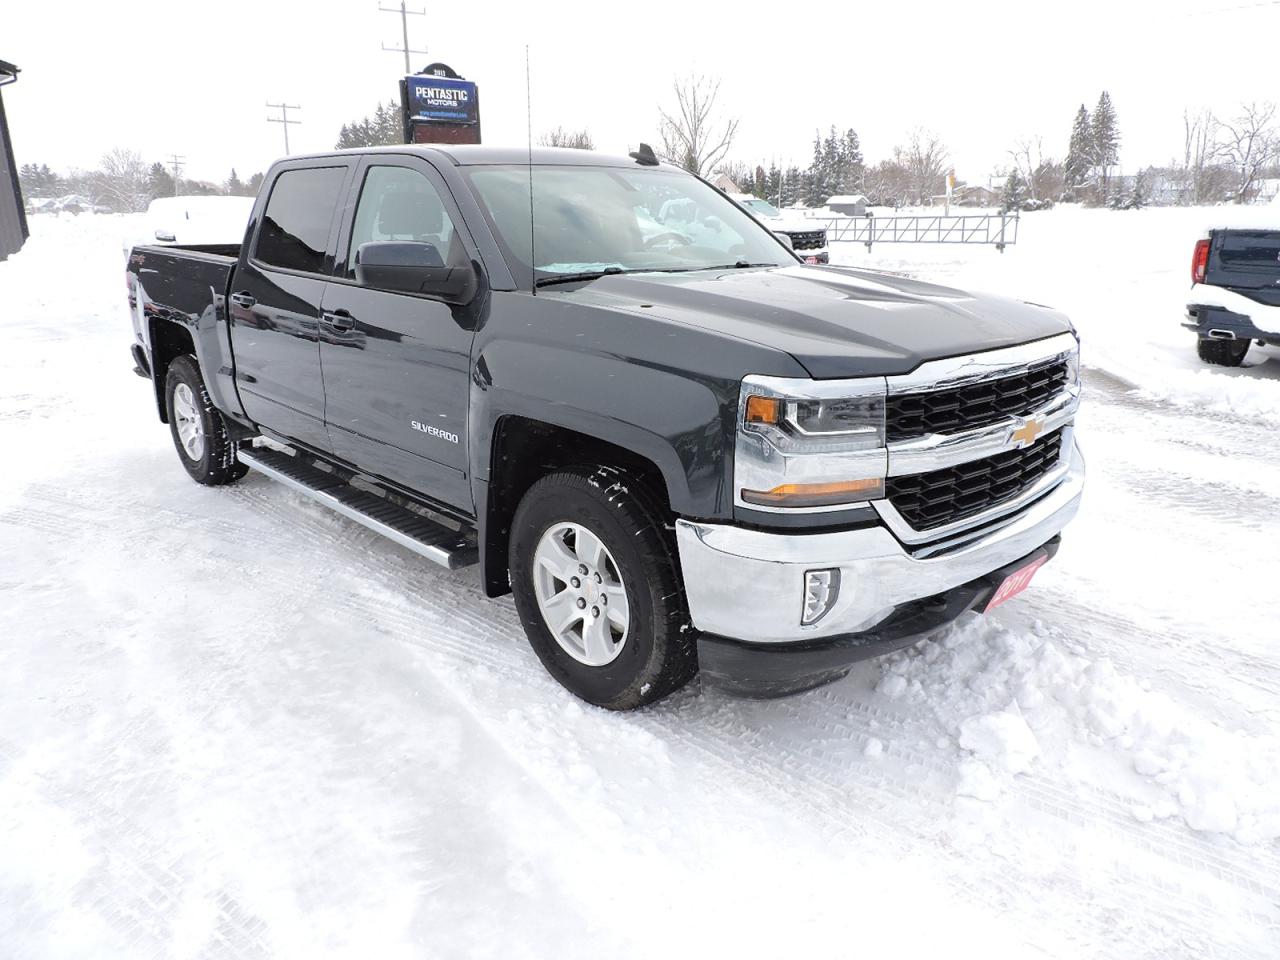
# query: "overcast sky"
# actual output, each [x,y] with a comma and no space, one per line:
[165,76]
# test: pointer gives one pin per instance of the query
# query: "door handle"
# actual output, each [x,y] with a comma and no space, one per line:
[339,320]
[245,300]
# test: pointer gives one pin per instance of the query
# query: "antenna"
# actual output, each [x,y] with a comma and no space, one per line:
[528,106]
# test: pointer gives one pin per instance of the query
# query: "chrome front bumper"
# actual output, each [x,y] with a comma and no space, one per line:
[748,585]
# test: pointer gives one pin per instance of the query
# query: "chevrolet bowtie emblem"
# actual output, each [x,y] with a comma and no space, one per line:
[1025,435]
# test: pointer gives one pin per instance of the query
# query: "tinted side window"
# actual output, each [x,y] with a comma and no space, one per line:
[397,203]
[295,227]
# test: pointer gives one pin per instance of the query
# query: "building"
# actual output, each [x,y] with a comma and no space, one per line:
[722,181]
[13,215]
[848,205]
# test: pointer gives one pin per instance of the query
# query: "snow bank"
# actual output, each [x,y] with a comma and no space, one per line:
[1014,700]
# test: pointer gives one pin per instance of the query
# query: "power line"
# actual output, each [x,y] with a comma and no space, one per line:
[284,120]
[177,161]
[404,32]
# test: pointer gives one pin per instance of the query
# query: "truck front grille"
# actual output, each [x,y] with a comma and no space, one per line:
[808,240]
[910,416]
[928,500]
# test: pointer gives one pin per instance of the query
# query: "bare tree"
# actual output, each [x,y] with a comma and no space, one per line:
[1028,156]
[560,137]
[692,135]
[1201,157]
[888,183]
[1251,145]
[121,182]
[925,159]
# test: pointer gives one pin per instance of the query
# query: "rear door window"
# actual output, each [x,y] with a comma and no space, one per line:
[295,227]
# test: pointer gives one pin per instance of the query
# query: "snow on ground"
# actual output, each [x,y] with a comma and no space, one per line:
[235,725]
[1123,278]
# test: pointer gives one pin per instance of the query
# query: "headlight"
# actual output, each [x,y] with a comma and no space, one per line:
[809,443]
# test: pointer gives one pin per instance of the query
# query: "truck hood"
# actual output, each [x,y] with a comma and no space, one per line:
[835,321]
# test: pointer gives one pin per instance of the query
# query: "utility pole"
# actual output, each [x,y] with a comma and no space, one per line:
[284,120]
[177,161]
[404,32]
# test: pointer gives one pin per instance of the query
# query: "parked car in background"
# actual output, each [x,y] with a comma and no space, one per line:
[1235,293]
[808,240]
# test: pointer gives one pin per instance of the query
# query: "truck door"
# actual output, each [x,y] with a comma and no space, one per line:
[397,365]
[276,296]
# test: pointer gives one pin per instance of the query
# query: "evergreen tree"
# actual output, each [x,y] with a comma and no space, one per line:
[773,184]
[254,185]
[758,185]
[160,182]
[1079,164]
[816,181]
[382,128]
[1014,196]
[234,186]
[791,186]
[852,168]
[1106,142]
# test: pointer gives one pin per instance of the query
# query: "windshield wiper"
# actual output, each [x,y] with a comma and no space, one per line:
[581,275]
[739,265]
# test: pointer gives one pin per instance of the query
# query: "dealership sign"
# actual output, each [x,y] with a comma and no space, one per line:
[442,99]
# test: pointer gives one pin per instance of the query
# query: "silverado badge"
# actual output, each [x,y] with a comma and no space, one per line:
[1025,434]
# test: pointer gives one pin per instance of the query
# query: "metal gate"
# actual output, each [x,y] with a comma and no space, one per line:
[996,229]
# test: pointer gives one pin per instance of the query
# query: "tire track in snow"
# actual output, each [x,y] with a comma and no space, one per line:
[147,882]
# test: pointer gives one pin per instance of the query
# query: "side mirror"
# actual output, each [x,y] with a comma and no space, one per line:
[786,240]
[414,267]
[165,236]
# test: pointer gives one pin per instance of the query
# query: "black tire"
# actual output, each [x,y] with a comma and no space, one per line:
[1222,353]
[659,655]
[217,463]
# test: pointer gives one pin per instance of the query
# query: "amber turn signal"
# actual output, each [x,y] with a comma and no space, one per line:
[817,494]
[764,410]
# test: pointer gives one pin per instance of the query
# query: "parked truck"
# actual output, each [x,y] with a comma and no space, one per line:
[677,451]
[1235,293]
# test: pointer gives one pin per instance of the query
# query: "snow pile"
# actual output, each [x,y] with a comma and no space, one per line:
[1013,700]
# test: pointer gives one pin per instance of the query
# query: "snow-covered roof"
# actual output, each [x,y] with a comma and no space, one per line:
[847,198]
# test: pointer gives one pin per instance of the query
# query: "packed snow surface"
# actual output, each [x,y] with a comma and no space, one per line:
[233,725]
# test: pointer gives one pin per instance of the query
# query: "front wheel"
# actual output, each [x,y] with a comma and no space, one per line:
[199,432]
[1222,353]
[595,584]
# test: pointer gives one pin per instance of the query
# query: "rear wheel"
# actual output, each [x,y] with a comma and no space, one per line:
[1222,353]
[594,577]
[199,432]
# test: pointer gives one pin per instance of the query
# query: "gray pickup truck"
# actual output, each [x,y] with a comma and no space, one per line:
[680,450]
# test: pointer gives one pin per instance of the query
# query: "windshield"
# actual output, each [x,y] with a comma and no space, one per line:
[597,219]
[762,207]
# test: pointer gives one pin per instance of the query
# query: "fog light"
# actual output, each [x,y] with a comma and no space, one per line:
[821,587]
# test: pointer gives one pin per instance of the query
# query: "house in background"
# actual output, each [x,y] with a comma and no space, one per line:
[976,195]
[722,181]
[13,215]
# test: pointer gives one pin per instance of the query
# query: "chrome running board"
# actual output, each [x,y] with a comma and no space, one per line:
[424,536]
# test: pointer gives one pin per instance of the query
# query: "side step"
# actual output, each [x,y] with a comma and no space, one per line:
[435,541]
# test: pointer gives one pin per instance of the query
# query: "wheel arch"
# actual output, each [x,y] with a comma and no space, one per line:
[524,450]
[169,341]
